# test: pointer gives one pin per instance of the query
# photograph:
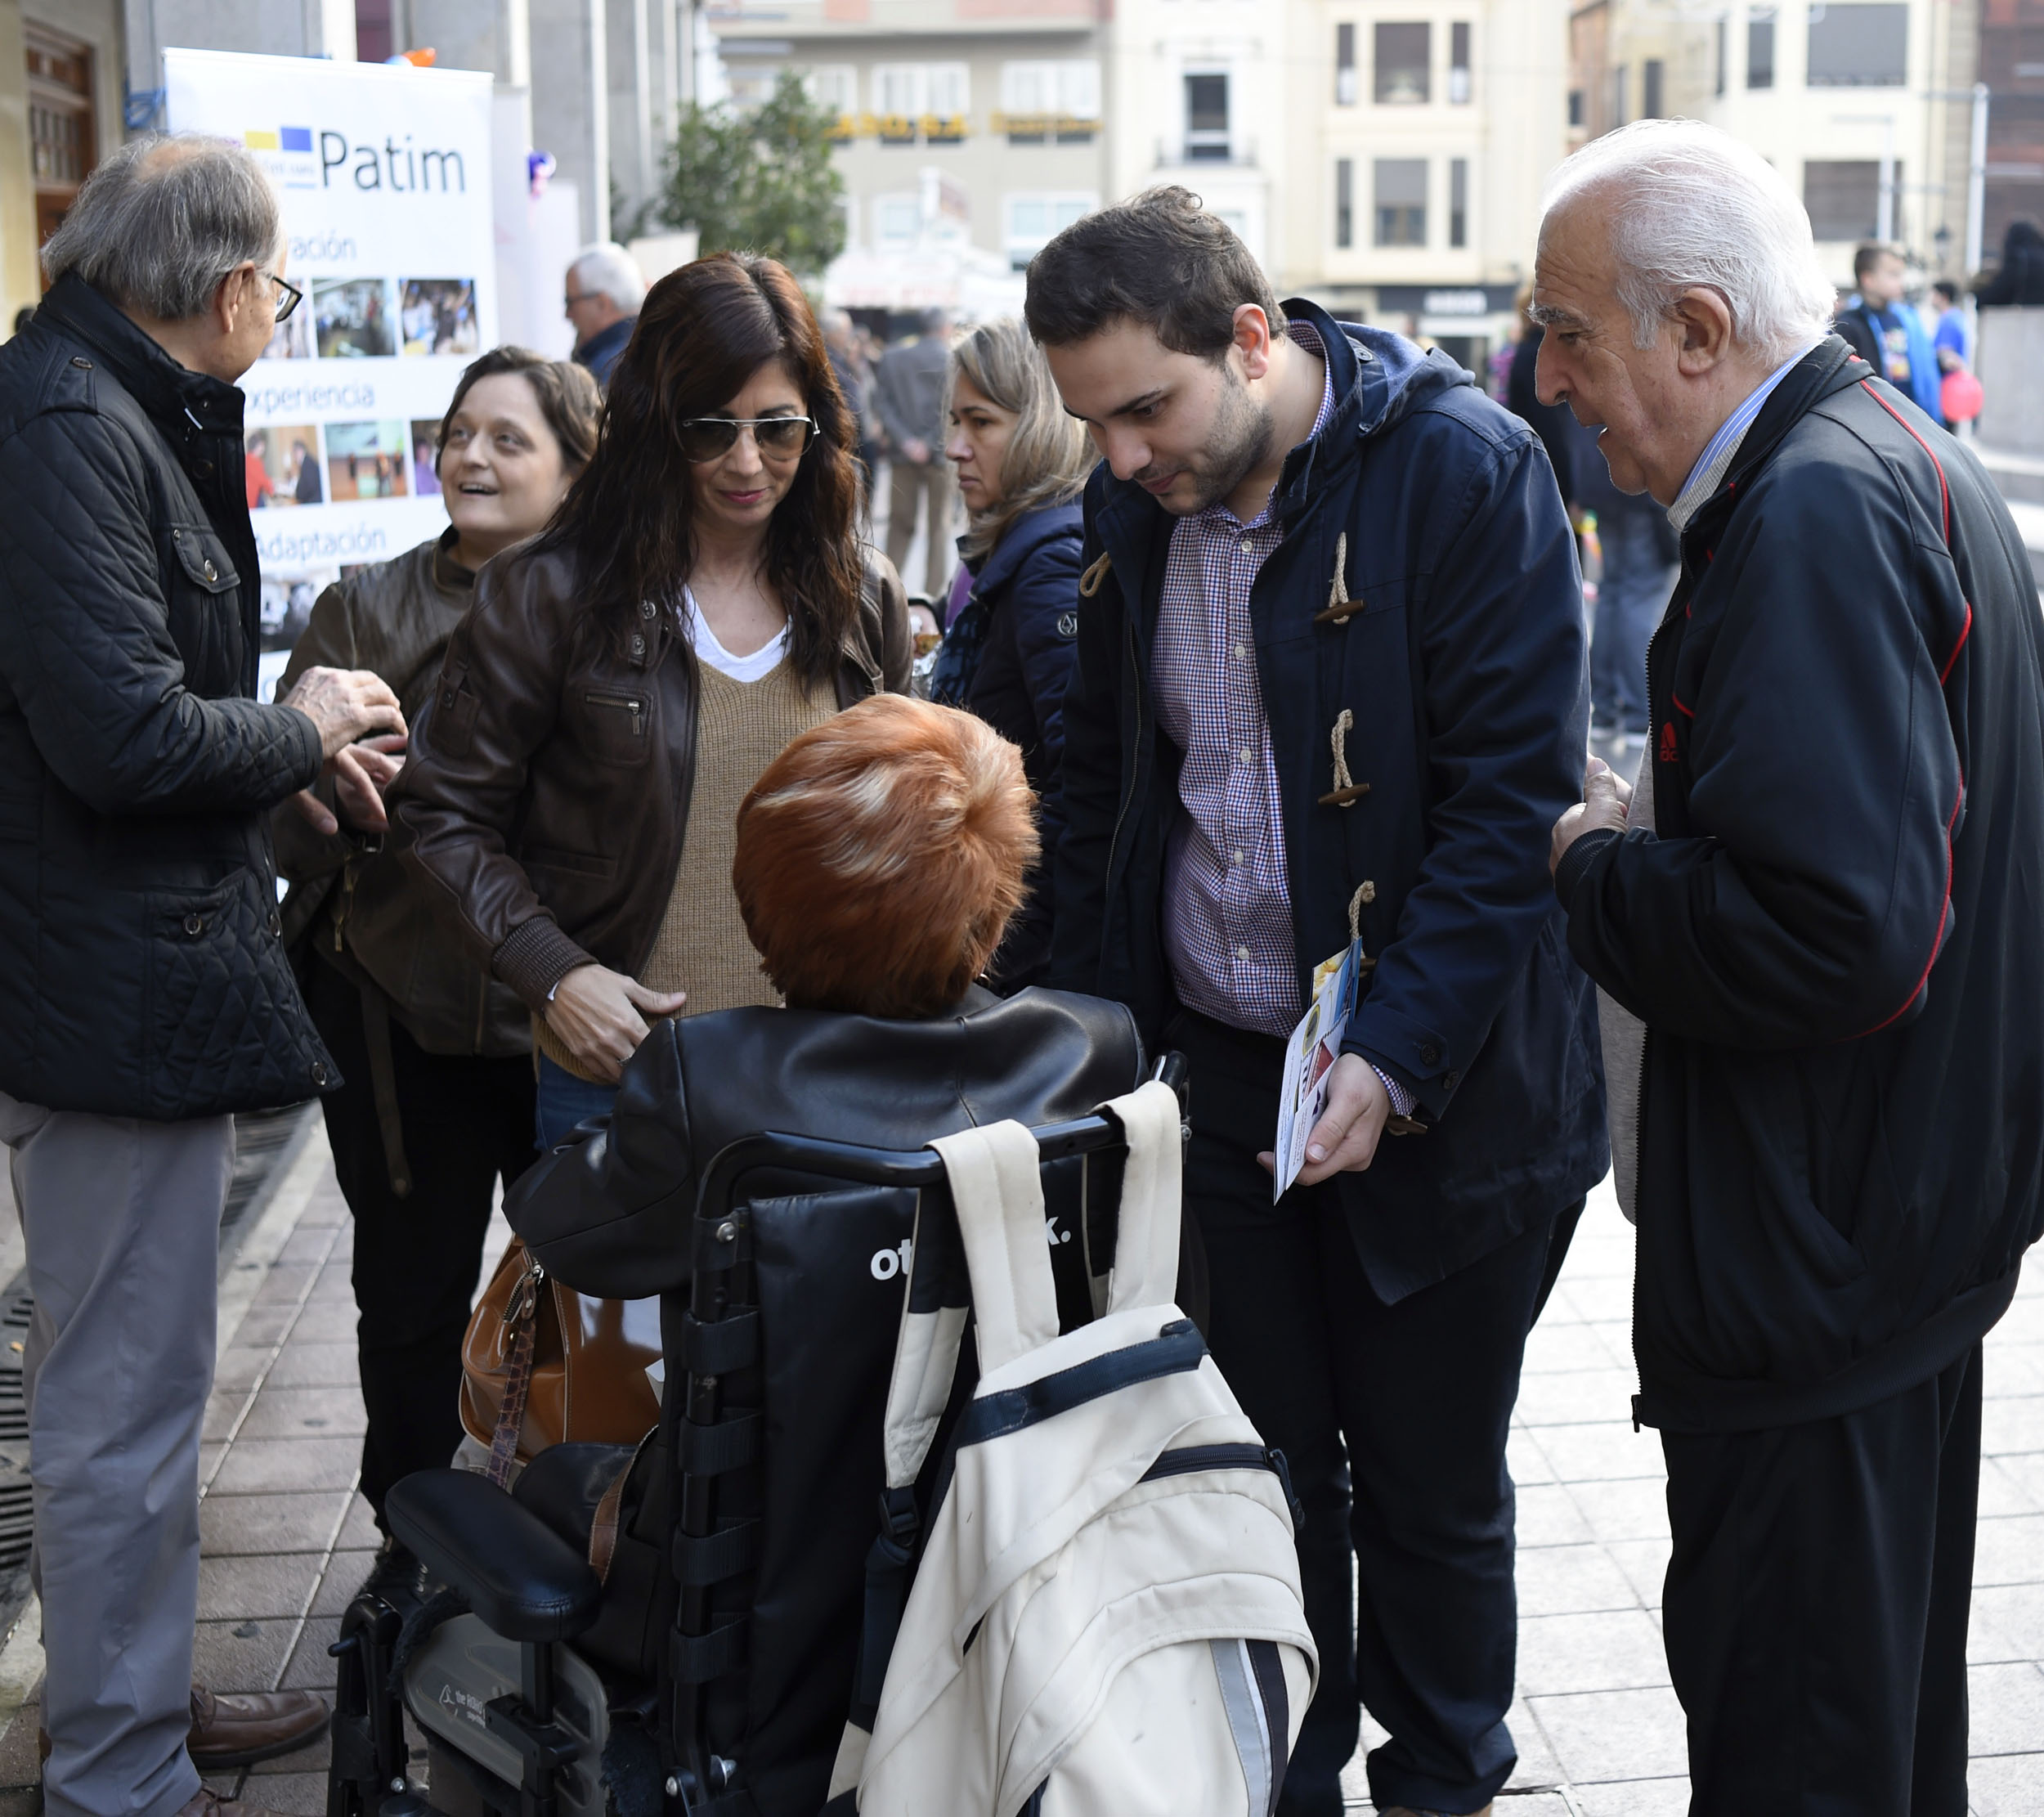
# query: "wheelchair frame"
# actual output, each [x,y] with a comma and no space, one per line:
[718,1332]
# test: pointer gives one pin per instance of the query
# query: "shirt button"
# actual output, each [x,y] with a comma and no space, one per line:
[1234,857]
[1241,653]
[1246,757]
[1430,1054]
[1244,546]
[1242,952]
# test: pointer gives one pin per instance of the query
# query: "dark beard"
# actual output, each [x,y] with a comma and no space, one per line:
[1239,443]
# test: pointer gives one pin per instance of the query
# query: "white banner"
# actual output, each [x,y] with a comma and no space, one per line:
[384,172]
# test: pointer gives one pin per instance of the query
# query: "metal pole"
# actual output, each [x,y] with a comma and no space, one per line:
[642,95]
[1884,222]
[685,43]
[599,117]
[1977,183]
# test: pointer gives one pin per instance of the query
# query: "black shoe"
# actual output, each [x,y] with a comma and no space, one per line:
[398,1578]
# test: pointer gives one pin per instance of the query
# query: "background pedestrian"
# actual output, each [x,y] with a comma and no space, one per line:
[909,393]
[603,293]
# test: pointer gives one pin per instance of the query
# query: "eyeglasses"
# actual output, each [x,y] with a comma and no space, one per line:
[575,299]
[707,437]
[289,296]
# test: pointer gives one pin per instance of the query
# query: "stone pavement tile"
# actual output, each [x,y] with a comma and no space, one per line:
[327,1322]
[327,1209]
[2013,1369]
[211,1451]
[296,1794]
[1571,1580]
[2025,1471]
[1551,1349]
[345,1572]
[1582,1394]
[244,1655]
[359,1533]
[2000,1492]
[334,1283]
[1524,1458]
[309,1245]
[2008,1622]
[260,1585]
[1537,1763]
[263,1327]
[1635,1798]
[256,1466]
[1607,1451]
[1538,1804]
[1616,1650]
[1602,1735]
[223,1408]
[1645,1563]
[311,1668]
[306,1412]
[2010,1550]
[285,1284]
[304,1365]
[2005,1708]
[268,1524]
[2010,1786]
[241,1366]
[1548,1516]
[1635,1508]
[2013,1425]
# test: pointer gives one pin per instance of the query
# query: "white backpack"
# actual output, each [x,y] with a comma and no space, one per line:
[1106,1619]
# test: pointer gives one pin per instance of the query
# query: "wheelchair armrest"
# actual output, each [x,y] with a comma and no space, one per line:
[525,1581]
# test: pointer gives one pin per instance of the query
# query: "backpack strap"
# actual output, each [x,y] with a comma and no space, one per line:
[997,1186]
[1146,1247]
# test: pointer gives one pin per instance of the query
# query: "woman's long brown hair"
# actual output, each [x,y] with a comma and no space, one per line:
[629,516]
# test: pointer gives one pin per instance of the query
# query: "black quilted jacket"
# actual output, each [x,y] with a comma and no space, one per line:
[142,969]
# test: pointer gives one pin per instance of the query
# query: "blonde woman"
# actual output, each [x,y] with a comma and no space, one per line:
[1021,464]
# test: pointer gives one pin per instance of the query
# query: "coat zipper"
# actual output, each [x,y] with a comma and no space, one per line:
[634,704]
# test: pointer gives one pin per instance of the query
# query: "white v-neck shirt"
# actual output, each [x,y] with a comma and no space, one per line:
[762,662]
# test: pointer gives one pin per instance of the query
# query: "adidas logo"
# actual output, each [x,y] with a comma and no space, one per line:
[1667,753]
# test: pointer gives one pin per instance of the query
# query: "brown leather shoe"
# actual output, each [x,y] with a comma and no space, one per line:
[206,1802]
[237,1729]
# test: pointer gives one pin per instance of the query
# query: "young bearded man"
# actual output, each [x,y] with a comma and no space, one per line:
[1331,672]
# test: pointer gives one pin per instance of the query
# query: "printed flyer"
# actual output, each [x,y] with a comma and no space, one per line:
[385,176]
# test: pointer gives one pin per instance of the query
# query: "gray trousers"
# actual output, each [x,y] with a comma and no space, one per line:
[122,1220]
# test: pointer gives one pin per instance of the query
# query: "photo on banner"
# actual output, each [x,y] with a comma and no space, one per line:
[384,175]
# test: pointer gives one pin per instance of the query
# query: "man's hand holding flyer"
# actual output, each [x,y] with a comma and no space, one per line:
[1309,1056]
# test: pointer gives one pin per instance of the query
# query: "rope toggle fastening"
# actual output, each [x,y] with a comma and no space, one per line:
[1340,609]
[1347,791]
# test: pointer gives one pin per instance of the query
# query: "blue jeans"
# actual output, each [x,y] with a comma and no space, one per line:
[1630,600]
[563,1100]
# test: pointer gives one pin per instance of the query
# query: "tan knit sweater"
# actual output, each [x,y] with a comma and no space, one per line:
[701,947]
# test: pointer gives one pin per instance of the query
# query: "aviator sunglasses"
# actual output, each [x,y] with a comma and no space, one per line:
[708,437]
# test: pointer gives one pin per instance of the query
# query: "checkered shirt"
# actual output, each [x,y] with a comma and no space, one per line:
[1228,903]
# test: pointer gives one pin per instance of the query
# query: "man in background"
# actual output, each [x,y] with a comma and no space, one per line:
[1885,332]
[602,298]
[908,394]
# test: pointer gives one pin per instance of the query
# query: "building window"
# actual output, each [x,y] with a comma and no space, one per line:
[63,138]
[1401,201]
[1651,73]
[1618,114]
[1458,201]
[1760,48]
[1344,202]
[834,86]
[1207,120]
[1459,65]
[374,39]
[1405,64]
[1859,47]
[1575,107]
[897,220]
[1843,196]
[925,101]
[1028,221]
[1050,103]
[1345,63]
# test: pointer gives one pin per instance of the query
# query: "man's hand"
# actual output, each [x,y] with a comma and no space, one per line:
[1605,799]
[595,1012]
[344,705]
[362,775]
[917,450]
[1345,1139]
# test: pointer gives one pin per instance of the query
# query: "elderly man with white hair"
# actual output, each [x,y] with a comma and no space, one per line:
[1820,899]
[601,299]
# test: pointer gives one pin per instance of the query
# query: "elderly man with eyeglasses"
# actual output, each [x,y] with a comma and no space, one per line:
[1815,916]
[144,995]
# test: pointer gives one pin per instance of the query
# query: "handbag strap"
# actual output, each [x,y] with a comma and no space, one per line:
[1146,1242]
[610,1511]
[522,1317]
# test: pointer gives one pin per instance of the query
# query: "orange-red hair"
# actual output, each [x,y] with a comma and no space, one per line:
[881,856]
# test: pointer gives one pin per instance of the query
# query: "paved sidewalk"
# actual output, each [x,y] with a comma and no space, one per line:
[1599,1731]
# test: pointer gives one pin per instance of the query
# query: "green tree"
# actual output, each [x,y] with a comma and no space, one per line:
[762,180]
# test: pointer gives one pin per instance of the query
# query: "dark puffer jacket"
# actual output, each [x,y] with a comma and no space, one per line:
[142,970]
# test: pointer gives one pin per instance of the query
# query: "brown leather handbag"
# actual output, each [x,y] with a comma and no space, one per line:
[541,1364]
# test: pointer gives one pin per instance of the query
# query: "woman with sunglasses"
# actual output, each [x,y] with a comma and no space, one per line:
[701,598]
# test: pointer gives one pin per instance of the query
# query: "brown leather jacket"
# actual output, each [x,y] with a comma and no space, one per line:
[546,793]
[353,904]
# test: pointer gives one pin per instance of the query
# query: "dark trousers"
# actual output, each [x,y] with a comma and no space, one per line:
[1639,577]
[467,1124]
[1816,1607]
[1393,1420]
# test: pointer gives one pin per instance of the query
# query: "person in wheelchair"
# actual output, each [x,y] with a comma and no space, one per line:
[879,859]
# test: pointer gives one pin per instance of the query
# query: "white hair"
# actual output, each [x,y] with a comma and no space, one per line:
[609,270]
[1691,208]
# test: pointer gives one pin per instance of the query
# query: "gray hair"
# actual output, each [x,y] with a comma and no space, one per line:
[165,218]
[1691,208]
[607,269]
